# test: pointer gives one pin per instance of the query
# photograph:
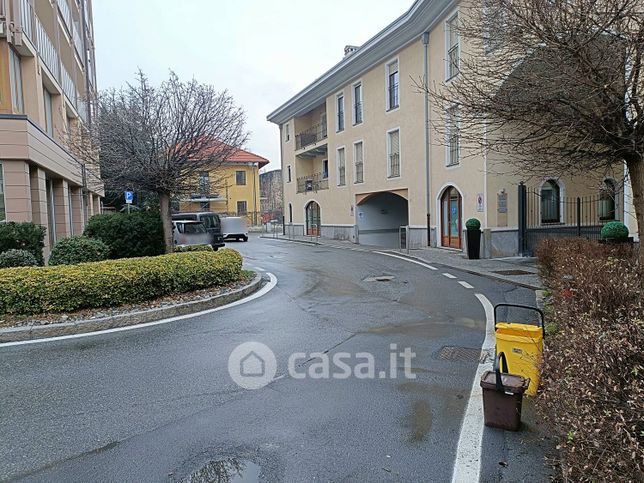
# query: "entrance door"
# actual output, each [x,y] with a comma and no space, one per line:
[313,219]
[451,218]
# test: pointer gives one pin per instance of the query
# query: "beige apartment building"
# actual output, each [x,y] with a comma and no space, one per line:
[358,162]
[47,78]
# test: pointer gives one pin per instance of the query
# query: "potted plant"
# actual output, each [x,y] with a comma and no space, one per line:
[615,232]
[473,238]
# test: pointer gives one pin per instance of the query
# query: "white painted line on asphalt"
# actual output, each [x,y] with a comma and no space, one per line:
[449,275]
[467,464]
[465,284]
[260,269]
[407,260]
[263,291]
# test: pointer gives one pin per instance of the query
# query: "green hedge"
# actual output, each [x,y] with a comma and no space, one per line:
[23,236]
[17,258]
[128,235]
[66,288]
[193,248]
[78,249]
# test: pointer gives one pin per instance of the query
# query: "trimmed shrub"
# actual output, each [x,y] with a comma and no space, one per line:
[193,248]
[473,224]
[592,391]
[128,234]
[66,288]
[615,230]
[78,249]
[17,258]
[23,236]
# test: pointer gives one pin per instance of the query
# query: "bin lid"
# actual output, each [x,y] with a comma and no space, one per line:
[511,382]
[519,330]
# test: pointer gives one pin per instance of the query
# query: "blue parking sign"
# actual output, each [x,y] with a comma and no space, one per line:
[129,197]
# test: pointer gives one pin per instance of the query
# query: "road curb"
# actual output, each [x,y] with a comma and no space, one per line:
[17,334]
[304,242]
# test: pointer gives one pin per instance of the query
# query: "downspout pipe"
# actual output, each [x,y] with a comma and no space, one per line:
[425,40]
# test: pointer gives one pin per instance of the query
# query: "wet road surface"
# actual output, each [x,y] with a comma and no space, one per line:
[157,403]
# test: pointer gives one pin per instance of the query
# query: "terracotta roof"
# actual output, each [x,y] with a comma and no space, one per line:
[241,156]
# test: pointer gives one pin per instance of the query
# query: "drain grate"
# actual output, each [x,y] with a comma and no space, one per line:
[460,354]
[513,272]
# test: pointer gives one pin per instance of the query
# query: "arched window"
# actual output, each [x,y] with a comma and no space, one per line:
[607,197]
[550,202]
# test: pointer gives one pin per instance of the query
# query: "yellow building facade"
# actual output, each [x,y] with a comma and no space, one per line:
[231,188]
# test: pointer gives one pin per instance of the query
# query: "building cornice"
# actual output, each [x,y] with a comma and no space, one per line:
[421,17]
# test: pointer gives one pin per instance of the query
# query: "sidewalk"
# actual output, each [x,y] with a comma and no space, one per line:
[520,271]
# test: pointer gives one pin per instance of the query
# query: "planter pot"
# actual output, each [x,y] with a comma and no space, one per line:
[473,244]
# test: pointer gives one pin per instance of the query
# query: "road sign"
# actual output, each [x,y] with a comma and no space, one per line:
[129,197]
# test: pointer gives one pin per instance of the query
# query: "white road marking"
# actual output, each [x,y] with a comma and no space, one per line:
[263,291]
[467,464]
[407,260]
[465,284]
[449,275]
[260,269]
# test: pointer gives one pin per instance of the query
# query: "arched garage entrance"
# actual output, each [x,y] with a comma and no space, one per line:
[380,217]
[451,215]
[313,219]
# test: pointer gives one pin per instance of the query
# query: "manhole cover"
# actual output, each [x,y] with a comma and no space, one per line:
[513,272]
[380,278]
[461,354]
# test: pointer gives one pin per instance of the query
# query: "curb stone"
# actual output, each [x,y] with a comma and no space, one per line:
[16,334]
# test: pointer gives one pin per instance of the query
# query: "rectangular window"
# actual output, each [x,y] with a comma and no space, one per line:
[240,178]
[49,118]
[71,210]
[453,137]
[287,132]
[204,206]
[340,113]
[358,162]
[342,169]
[325,169]
[288,174]
[393,86]
[15,79]
[3,211]
[393,154]
[204,183]
[453,54]
[242,209]
[357,103]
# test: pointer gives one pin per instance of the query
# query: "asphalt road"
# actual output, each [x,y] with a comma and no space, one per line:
[157,403]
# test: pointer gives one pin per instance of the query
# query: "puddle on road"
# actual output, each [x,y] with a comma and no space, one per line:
[421,421]
[230,470]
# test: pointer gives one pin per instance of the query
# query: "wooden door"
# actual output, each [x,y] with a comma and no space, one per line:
[313,219]
[451,214]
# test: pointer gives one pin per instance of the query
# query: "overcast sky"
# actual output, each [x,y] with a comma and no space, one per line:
[262,51]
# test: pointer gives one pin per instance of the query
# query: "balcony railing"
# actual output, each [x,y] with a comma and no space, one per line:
[47,50]
[26,17]
[78,41]
[311,136]
[68,86]
[66,13]
[313,182]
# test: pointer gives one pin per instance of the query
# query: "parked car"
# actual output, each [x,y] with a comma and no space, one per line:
[190,232]
[211,221]
[234,227]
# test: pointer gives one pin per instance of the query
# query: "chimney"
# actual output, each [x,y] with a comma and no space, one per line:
[350,49]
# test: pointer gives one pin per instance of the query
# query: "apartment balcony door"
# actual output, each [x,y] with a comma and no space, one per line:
[451,211]
[313,219]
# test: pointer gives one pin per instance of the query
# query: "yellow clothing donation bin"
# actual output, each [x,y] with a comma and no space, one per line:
[523,346]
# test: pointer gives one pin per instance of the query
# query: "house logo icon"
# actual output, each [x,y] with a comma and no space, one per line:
[252,365]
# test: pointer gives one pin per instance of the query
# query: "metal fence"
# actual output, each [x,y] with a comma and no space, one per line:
[545,214]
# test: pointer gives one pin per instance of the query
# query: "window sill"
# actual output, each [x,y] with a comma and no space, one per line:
[393,177]
[392,109]
[453,165]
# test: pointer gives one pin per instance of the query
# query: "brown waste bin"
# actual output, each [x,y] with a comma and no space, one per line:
[503,396]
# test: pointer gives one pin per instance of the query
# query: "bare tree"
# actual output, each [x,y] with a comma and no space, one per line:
[159,140]
[553,86]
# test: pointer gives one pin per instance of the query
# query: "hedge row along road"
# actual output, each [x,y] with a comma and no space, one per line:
[157,403]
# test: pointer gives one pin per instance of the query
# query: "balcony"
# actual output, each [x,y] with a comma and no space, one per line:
[26,16]
[78,42]
[312,141]
[66,13]
[312,183]
[46,49]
